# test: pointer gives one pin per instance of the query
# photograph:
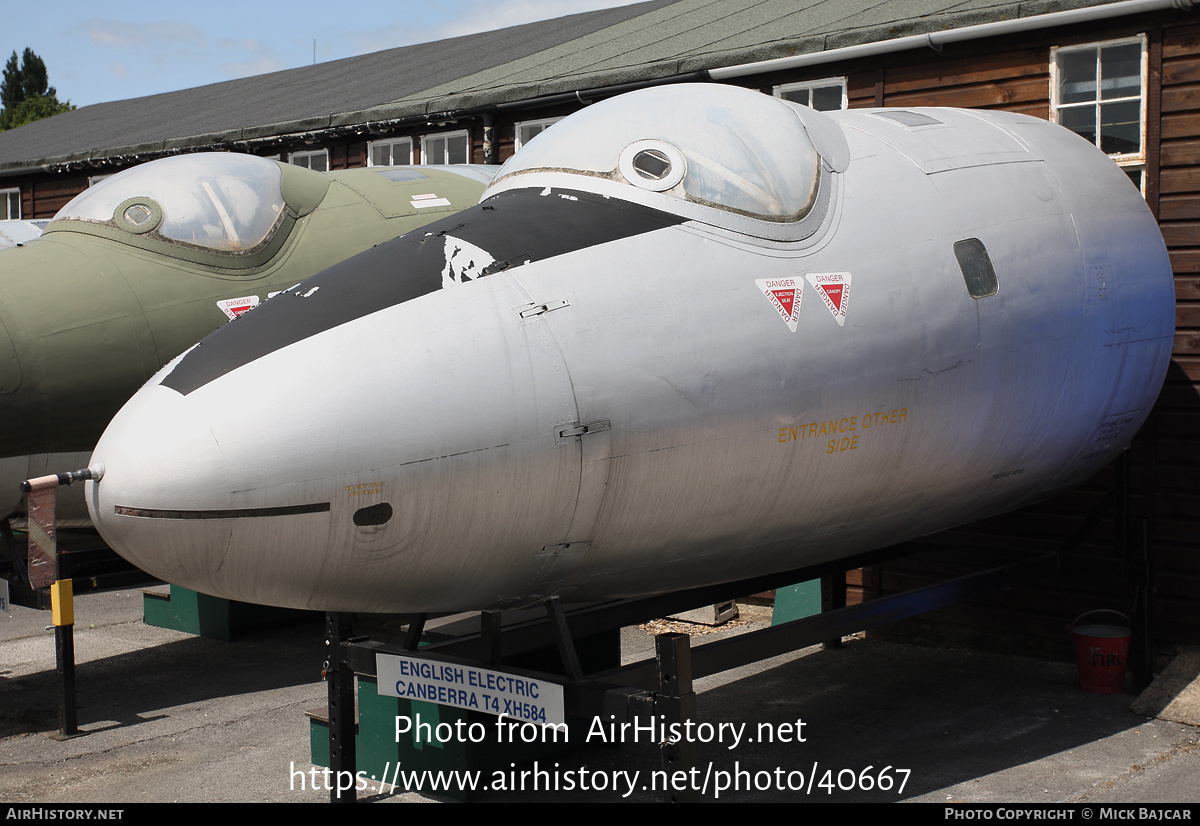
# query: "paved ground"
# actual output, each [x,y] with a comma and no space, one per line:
[176,718]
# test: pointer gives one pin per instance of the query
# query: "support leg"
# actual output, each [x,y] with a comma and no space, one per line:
[562,638]
[833,597]
[1141,651]
[343,758]
[675,703]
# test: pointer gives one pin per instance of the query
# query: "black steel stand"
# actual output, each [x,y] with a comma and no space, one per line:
[661,689]
[339,630]
[64,656]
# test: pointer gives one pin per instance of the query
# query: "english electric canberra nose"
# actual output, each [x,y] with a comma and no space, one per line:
[690,335]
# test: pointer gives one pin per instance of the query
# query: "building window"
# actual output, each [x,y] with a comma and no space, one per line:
[529,129]
[394,152]
[448,147]
[317,159]
[1098,91]
[822,95]
[12,204]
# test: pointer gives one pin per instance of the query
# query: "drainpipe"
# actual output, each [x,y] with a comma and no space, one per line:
[489,137]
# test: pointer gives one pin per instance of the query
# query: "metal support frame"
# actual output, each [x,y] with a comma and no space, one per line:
[412,639]
[490,624]
[343,758]
[660,688]
[1131,537]
[675,705]
[1141,572]
[562,639]
[833,597]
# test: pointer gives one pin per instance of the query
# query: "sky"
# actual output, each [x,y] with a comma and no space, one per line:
[96,53]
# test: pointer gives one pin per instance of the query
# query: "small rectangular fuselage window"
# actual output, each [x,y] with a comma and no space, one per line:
[976,268]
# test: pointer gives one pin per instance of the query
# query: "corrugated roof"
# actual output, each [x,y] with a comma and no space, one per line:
[693,35]
[294,100]
[595,49]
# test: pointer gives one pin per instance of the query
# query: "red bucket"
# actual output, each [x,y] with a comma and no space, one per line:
[1101,650]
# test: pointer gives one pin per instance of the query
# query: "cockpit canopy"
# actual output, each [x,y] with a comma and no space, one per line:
[720,146]
[217,201]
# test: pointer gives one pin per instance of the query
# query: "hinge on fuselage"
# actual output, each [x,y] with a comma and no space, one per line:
[538,309]
[584,429]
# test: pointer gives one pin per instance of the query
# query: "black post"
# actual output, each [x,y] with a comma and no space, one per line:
[562,639]
[675,703]
[416,627]
[64,658]
[1141,652]
[63,610]
[343,758]
[489,629]
[833,597]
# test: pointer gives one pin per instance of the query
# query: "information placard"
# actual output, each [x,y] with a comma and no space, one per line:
[478,689]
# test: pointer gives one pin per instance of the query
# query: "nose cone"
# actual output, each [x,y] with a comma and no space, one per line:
[177,494]
[153,453]
[312,477]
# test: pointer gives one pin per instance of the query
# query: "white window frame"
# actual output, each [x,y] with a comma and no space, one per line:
[8,200]
[1128,161]
[808,85]
[405,156]
[307,156]
[437,137]
[544,123]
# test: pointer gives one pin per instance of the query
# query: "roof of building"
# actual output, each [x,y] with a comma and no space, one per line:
[649,40]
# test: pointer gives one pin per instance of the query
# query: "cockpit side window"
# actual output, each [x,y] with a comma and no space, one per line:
[216,201]
[977,269]
[714,145]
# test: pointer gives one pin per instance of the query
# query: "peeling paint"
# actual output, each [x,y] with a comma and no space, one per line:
[464,262]
[289,289]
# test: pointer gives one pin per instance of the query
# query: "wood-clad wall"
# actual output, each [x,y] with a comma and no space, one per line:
[1175,427]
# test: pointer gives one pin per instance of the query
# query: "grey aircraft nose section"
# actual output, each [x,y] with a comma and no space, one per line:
[690,335]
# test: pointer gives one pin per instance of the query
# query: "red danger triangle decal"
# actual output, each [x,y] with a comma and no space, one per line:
[785,295]
[834,289]
[786,298]
[234,307]
[833,292]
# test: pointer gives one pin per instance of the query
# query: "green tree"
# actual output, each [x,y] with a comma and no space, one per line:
[26,93]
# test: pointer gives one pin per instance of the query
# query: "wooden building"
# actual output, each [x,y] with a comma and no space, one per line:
[1124,74]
